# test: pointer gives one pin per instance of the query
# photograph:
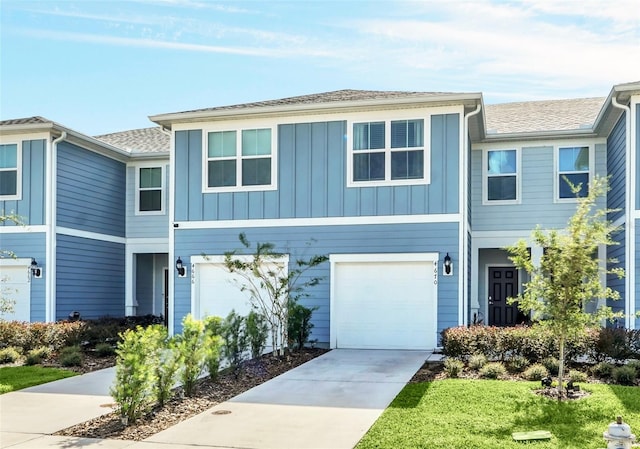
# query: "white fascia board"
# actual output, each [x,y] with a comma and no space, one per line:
[538,140]
[22,136]
[149,156]
[90,235]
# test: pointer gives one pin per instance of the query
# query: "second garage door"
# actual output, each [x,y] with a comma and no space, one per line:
[384,301]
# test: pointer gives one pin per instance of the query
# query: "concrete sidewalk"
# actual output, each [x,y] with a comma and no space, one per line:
[329,402]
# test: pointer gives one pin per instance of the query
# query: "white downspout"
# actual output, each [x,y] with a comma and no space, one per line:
[463,316]
[629,228]
[51,198]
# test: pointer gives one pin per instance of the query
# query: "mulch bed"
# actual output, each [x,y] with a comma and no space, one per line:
[208,394]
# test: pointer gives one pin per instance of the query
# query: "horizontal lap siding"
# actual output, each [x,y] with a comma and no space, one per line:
[90,277]
[312,178]
[304,242]
[617,252]
[637,150]
[31,207]
[91,191]
[146,225]
[616,168]
[30,245]
[637,273]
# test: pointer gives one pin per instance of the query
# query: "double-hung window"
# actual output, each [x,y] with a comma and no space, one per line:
[9,172]
[573,169]
[390,152]
[501,174]
[149,197]
[239,160]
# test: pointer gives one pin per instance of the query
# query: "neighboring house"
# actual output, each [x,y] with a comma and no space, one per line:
[89,209]
[412,195]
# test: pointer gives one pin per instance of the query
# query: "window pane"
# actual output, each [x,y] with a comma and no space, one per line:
[222,144]
[376,136]
[575,179]
[150,177]
[407,133]
[501,162]
[407,164]
[222,173]
[256,142]
[9,156]
[501,188]
[368,136]
[574,159]
[150,200]
[8,182]
[368,167]
[256,172]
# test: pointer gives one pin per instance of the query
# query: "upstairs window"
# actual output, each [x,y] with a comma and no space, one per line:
[501,176]
[390,152]
[9,172]
[574,167]
[241,160]
[149,190]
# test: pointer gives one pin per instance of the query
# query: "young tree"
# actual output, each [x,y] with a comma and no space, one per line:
[272,286]
[569,273]
[7,304]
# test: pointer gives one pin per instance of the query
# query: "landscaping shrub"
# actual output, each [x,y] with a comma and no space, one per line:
[477,361]
[299,324]
[518,364]
[635,364]
[213,344]
[70,356]
[191,346]
[37,355]
[257,332]
[453,367]
[624,375]
[536,372]
[612,343]
[493,370]
[552,364]
[235,341]
[165,360]
[602,370]
[9,355]
[577,376]
[105,350]
[28,336]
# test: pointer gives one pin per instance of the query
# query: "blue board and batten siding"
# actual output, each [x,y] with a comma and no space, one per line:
[91,191]
[306,241]
[90,277]
[31,206]
[637,274]
[616,169]
[312,179]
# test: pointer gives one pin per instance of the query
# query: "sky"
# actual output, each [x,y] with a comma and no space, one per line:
[104,66]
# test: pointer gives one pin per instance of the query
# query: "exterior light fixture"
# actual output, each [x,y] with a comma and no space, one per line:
[36,271]
[447,266]
[182,272]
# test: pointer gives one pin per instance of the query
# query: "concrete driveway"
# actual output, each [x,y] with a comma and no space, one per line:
[329,402]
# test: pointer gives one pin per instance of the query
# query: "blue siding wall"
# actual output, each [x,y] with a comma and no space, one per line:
[637,274]
[146,225]
[616,160]
[91,191]
[30,245]
[31,207]
[90,277]
[617,252]
[637,128]
[312,179]
[303,242]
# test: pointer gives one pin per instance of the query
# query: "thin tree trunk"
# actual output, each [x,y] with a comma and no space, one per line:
[561,369]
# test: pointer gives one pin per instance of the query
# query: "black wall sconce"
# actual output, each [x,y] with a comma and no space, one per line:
[447,266]
[182,271]
[36,271]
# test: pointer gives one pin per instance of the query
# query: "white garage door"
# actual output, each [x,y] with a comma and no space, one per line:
[15,286]
[216,291]
[384,301]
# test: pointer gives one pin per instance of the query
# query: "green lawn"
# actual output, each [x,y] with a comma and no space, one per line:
[482,414]
[17,377]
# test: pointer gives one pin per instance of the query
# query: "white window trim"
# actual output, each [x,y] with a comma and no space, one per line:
[387,117]
[485,177]
[18,194]
[239,187]
[556,168]
[163,189]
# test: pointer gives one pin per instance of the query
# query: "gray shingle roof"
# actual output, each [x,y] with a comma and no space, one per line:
[36,120]
[145,140]
[540,116]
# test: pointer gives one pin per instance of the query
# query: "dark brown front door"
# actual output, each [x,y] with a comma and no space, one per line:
[166,297]
[503,284]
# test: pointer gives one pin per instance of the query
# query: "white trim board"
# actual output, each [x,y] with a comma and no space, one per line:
[90,235]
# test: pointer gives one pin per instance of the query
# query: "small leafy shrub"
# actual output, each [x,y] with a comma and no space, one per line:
[70,356]
[635,364]
[165,360]
[624,375]
[257,332]
[552,364]
[299,324]
[577,376]
[477,361]
[191,347]
[535,372]
[518,364]
[613,343]
[105,350]
[453,367]
[235,346]
[602,370]
[28,336]
[493,370]
[37,356]
[213,343]
[9,355]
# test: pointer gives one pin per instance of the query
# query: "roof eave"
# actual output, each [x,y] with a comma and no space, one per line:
[149,156]
[26,128]
[540,135]
[166,120]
